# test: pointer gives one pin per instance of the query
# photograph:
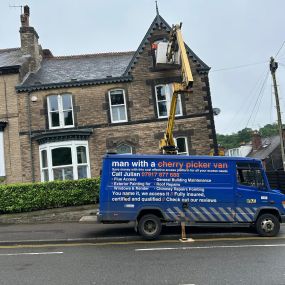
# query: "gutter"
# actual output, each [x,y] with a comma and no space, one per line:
[13,69]
[73,83]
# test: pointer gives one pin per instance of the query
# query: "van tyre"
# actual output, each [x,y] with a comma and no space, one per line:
[149,226]
[267,225]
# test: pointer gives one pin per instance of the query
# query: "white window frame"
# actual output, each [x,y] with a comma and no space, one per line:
[2,155]
[60,111]
[186,145]
[168,96]
[125,106]
[73,145]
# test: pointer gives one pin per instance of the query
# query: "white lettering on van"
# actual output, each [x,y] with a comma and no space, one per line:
[120,163]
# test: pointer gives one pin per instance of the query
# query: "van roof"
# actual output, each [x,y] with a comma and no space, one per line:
[182,157]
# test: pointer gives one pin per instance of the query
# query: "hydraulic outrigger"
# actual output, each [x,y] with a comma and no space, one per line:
[176,43]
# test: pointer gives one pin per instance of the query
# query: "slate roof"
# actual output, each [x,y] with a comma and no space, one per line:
[269,144]
[70,70]
[11,57]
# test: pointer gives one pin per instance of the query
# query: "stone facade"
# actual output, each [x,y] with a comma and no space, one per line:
[9,114]
[28,124]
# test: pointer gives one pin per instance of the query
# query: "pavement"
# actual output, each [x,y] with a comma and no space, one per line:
[56,215]
[61,226]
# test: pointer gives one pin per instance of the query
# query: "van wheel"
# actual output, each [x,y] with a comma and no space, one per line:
[149,226]
[267,225]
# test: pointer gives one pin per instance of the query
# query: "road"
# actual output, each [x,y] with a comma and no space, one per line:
[243,260]
[98,232]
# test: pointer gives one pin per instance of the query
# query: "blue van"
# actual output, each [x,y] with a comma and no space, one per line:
[156,190]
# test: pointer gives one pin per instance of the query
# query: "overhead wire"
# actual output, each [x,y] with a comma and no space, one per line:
[247,102]
[259,104]
[280,49]
[248,64]
[238,66]
[258,98]
[258,101]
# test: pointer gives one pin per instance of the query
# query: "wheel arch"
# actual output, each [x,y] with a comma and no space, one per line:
[267,210]
[151,210]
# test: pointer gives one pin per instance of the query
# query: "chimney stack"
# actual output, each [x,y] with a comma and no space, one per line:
[256,140]
[29,41]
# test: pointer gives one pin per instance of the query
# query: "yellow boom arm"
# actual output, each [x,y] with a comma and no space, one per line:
[167,144]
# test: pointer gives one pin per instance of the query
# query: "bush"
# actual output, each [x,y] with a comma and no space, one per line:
[26,197]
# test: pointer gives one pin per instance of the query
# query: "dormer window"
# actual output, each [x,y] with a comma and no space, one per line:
[60,111]
[118,108]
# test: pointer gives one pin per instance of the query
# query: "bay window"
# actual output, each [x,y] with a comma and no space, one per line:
[64,161]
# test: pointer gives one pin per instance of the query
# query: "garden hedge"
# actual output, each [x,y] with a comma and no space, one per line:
[24,197]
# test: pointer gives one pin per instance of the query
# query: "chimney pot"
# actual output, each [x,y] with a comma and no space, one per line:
[29,41]
[25,17]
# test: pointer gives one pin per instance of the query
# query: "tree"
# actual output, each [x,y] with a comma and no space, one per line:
[244,136]
[269,130]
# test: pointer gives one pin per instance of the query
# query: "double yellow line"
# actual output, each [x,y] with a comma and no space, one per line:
[78,244]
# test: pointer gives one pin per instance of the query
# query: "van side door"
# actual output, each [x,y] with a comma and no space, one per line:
[251,190]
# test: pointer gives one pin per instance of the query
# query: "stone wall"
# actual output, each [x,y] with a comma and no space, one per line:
[143,129]
[9,113]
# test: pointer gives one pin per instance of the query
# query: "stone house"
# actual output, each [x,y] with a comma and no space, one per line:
[59,115]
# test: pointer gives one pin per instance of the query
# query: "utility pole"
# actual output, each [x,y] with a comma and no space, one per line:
[273,66]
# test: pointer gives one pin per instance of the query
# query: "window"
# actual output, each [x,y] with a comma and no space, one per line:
[182,146]
[2,158]
[163,99]
[60,111]
[118,109]
[250,174]
[64,161]
[124,149]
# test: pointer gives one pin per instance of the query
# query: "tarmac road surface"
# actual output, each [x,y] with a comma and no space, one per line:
[213,262]
[71,232]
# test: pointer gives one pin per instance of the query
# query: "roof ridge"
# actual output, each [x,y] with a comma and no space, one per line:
[9,49]
[77,56]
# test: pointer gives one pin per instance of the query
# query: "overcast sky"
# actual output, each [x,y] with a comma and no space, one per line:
[234,37]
